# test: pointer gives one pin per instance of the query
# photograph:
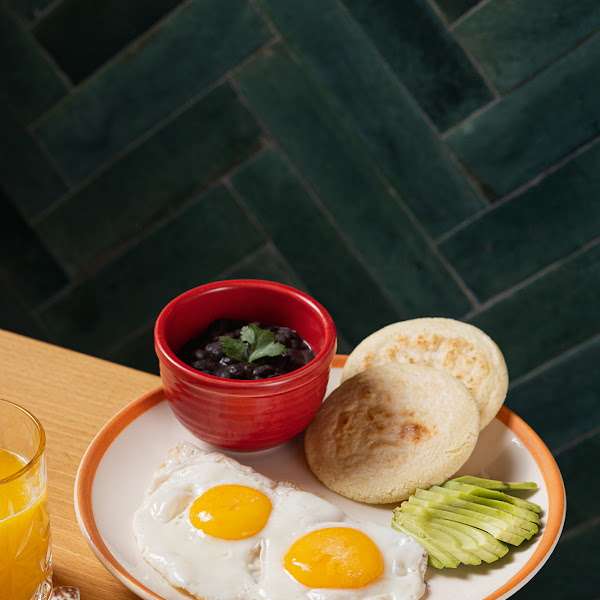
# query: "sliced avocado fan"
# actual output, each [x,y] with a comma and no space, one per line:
[468,520]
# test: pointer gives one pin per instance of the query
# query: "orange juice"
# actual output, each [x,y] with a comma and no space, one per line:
[25,568]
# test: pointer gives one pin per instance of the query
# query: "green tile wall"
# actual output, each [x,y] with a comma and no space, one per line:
[393,159]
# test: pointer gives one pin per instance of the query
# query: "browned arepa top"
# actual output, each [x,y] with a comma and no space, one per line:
[390,429]
[461,349]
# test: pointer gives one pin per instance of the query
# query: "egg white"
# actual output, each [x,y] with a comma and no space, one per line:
[204,566]
[405,563]
[252,569]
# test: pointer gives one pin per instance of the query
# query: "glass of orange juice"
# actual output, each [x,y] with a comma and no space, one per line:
[25,550]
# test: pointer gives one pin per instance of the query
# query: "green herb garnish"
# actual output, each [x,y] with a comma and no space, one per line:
[254,343]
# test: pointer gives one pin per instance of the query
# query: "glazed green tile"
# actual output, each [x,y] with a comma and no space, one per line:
[28,82]
[26,174]
[549,315]
[137,351]
[25,262]
[128,293]
[82,35]
[512,41]
[187,155]
[452,9]
[530,231]
[535,126]
[313,246]
[266,263]
[378,107]
[426,58]
[576,465]
[571,570]
[337,167]
[190,51]
[28,9]
[562,401]
[15,316]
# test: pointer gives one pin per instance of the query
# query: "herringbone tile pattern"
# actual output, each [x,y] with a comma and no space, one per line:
[394,159]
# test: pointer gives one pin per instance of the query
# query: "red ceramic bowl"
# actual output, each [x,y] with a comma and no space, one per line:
[239,414]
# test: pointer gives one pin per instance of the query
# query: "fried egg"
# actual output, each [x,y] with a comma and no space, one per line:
[340,560]
[221,531]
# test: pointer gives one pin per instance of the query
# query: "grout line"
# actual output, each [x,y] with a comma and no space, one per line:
[129,148]
[263,15]
[48,56]
[15,14]
[476,113]
[449,27]
[552,362]
[471,181]
[48,302]
[532,278]
[97,264]
[123,51]
[550,170]
[576,441]
[42,14]
[54,163]
[256,223]
[382,176]
[382,172]
[319,203]
[533,182]
[228,184]
[437,253]
[147,327]
[230,74]
[26,29]
[141,139]
[41,147]
[26,308]
[484,76]
[580,528]
[438,11]
[394,76]
[468,13]
[464,224]
[137,237]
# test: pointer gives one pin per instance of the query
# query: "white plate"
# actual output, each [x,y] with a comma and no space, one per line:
[119,463]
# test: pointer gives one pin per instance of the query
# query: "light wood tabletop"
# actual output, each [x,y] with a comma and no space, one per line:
[73,395]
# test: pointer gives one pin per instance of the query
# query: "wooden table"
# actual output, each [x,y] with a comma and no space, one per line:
[73,395]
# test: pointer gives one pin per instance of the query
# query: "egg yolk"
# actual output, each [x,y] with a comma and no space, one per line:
[334,557]
[231,512]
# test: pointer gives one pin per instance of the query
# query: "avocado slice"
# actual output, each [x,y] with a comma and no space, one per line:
[499,529]
[492,494]
[437,554]
[459,544]
[452,502]
[523,513]
[482,538]
[494,484]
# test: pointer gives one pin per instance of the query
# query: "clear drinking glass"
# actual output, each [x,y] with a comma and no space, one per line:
[25,548]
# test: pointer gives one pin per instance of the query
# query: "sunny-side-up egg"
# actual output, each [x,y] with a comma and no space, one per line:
[221,531]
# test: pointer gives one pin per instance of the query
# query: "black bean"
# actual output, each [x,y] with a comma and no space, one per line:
[264,371]
[215,349]
[206,353]
[200,354]
[205,365]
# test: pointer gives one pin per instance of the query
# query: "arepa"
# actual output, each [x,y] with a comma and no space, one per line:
[391,429]
[462,349]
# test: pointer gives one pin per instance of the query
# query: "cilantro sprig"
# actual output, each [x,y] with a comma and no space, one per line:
[254,343]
